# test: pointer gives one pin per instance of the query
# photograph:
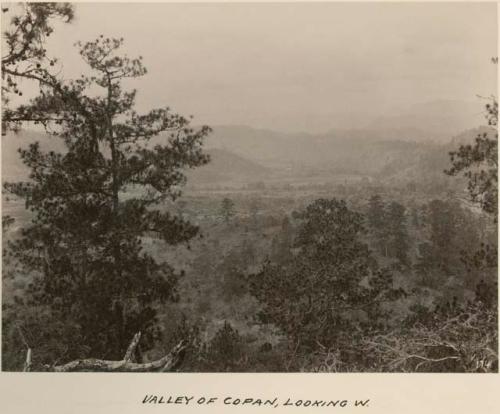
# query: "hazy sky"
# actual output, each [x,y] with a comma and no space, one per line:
[296,66]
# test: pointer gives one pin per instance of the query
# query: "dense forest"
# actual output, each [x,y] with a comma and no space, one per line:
[145,242]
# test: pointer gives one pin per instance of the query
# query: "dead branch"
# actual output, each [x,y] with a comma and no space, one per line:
[27,364]
[465,338]
[165,364]
[129,355]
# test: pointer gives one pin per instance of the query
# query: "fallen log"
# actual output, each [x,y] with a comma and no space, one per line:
[167,363]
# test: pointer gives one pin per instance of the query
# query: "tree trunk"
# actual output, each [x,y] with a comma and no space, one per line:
[167,363]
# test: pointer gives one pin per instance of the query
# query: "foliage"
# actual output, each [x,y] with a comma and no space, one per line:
[447,338]
[378,223]
[463,339]
[7,221]
[387,222]
[375,214]
[331,287]
[227,209]
[450,233]
[479,164]
[85,241]
[225,352]
[399,242]
[40,328]
[25,55]
[281,248]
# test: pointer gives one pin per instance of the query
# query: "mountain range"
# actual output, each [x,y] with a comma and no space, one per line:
[244,154]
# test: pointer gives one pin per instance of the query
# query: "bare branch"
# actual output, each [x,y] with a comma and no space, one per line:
[27,364]
[129,355]
[165,364]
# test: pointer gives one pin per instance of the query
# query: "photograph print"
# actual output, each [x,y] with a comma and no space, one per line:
[238,187]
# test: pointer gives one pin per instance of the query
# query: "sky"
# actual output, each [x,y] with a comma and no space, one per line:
[295,67]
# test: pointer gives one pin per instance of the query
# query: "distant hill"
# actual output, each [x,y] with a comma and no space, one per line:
[360,151]
[224,167]
[468,137]
[440,119]
[240,154]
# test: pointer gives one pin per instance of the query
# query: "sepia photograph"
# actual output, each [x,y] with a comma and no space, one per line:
[249,187]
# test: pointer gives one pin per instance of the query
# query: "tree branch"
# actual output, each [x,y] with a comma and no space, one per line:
[27,364]
[129,355]
[165,364]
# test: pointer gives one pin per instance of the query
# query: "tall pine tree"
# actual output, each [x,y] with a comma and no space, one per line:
[93,204]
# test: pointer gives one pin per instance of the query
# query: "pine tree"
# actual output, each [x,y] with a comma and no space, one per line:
[311,298]
[377,220]
[85,241]
[24,54]
[479,164]
[375,214]
[282,243]
[225,352]
[440,255]
[399,240]
[227,209]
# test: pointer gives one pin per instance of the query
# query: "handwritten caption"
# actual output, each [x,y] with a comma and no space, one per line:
[250,401]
